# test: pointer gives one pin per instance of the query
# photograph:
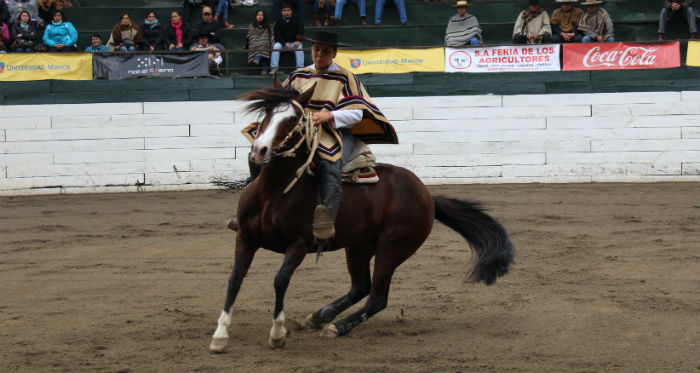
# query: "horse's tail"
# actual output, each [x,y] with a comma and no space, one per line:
[492,249]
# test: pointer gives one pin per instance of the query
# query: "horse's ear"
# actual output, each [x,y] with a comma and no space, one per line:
[276,83]
[305,97]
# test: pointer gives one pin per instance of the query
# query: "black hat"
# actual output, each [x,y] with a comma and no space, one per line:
[324,37]
[533,2]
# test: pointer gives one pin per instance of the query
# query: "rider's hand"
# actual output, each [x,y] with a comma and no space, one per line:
[322,117]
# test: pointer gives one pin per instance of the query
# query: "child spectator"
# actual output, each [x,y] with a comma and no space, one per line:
[125,36]
[259,41]
[207,25]
[213,52]
[60,35]
[222,13]
[97,45]
[565,22]
[462,28]
[177,35]
[532,25]
[152,32]
[24,34]
[287,33]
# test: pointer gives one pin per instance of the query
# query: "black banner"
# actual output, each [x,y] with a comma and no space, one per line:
[128,66]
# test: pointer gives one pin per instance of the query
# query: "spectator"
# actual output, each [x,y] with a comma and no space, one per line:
[462,28]
[4,36]
[287,33]
[16,6]
[213,52]
[379,11]
[24,34]
[677,9]
[126,36]
[326,6]
[565,21]
[208,26]
[340,4]
[596,24]
[48,7]
[152,32]
[178,34]
[96,44]
[259,41]
[222,13]
[60,35]
[298,8]
[189,5]
[532,25]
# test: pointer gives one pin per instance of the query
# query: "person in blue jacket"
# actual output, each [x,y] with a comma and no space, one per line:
[60,35]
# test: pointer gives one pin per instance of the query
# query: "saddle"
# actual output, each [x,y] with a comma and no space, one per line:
[359,169]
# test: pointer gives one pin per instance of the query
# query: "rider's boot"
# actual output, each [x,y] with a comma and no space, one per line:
[254,172]
[331,193]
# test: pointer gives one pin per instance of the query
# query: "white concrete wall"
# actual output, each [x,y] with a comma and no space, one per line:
[649,136]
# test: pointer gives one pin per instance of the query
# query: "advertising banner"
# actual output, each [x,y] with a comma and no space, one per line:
[390,61]
[693,57]
[617,56]
[543,57]
[127,66]
[43,66]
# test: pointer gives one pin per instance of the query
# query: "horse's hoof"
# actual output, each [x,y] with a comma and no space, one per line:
[329,331]
[218,345]
[276,343]
[309,323]
[232,224]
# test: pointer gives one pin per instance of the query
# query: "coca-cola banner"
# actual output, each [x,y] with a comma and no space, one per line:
[542,57]
[616,56]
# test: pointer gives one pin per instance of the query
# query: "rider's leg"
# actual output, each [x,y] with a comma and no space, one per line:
[330,190]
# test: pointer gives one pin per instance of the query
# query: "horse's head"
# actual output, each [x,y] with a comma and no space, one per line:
[282,109]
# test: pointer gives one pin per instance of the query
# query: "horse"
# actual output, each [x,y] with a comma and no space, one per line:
[388,220]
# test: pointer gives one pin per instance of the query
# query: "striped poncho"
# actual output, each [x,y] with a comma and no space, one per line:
[259,41]
[462,29]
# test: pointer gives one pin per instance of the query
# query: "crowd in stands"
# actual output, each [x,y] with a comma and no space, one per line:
[41,25]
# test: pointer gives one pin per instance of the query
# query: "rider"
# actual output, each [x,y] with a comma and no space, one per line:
[342,107]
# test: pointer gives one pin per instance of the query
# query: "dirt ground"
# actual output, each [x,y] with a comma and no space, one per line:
[607,278]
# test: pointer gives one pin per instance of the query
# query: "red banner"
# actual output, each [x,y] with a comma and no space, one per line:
[616,56]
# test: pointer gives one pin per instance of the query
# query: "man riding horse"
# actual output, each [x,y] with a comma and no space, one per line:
[345,112]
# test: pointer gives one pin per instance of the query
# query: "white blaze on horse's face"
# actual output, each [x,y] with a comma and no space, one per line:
[262,147]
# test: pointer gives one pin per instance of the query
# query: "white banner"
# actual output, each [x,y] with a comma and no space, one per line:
[537,57]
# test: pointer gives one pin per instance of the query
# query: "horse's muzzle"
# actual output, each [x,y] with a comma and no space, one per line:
[260,155]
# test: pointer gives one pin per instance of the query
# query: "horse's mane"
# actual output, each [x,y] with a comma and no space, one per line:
[266,99]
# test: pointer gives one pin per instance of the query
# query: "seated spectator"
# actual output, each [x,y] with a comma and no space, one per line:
[316,14]
[152,32]
[379,11]
[178,34]
[287,32]
[596,23]
[297,7]
[208,26]
[222,13]
[462,28]
[96,44]
[532,25]
[565,21]
[340,4]
[24,34]
[677,9]
[259,41]
[60,35]
[213,52]
[190,5]
[16,6]
[125,36]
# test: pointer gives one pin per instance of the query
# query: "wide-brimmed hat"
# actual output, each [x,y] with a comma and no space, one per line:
[591,2]
[461,3]
[325,37]
[567,1]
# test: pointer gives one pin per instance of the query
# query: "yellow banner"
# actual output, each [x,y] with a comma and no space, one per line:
[693,57]
[391,61]
[43,66]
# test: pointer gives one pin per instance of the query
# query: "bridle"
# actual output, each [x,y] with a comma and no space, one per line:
[308,135]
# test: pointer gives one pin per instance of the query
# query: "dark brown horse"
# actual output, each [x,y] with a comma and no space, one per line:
[388,220]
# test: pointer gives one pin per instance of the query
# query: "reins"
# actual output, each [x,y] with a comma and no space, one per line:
[309,135]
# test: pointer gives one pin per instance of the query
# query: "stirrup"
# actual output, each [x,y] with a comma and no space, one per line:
[323,227]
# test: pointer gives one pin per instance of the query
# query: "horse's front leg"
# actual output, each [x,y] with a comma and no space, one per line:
[245,251]
[292,258]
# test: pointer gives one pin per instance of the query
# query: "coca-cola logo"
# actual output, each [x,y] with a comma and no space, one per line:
[629,57]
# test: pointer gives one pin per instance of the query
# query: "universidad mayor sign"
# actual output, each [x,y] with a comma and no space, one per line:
[43,66]
[390,61]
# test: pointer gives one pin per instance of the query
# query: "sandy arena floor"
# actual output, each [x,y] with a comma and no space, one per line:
[607,278]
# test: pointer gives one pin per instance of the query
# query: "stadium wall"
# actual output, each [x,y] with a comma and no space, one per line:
[144,146]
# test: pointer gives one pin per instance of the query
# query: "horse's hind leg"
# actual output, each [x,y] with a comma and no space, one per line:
[358,266]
